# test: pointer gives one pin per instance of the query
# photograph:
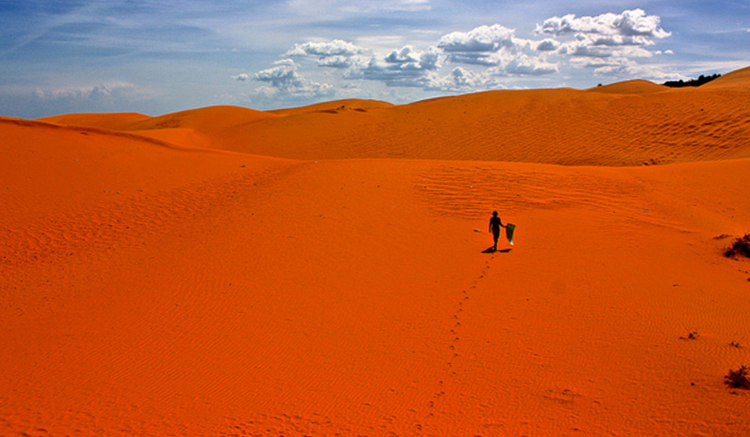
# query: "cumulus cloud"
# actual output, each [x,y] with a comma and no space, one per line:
[461,80]
[397,74]
[403,56]
[97,95]
[607,44]
[475,58]
[629,23]
[108,96]
[528,66]
[618,40]
[611,42]
[410,58]
[547,45]
[430,59]
[497,47]
[406,67]
[336,61]
[286,82]
[334,54]
[282,75]
[80,92]
[625,68]
[335,47]
[596,48]
[480,39]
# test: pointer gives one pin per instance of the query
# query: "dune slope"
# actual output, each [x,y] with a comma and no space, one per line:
[625,124]
[630,87]
[154,287]
[193,127]
[567,127]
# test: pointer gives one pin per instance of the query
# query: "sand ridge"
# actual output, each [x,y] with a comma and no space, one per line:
[637,86]
[734,79]
[158,280]
[656,125]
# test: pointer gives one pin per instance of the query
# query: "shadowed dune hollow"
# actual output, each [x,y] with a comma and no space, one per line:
[324,270]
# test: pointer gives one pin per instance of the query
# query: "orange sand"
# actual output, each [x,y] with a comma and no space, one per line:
[291,284]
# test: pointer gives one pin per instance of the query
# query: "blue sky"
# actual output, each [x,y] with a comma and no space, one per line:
[156,57]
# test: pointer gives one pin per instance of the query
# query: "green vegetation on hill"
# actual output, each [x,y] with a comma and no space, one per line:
[692,82]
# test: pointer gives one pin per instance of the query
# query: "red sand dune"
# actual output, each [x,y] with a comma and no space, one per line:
[637,86]
[735,79]
[153,285]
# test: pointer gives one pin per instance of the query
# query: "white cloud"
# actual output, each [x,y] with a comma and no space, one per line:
[405,55]
[111,96]
[619,40]
[410,58]
[335,61]
[625,68]
[629,23]
[430,59]
[608,44]
[588,47]
[406,67]
[242,77]
[528,66]
[287,83]
[480,39]
[497,47]
[335,47]
[610,41]
[406,74]
[547,45]
[475,58]
[334,54]
[461,80]
[283,74]
[95,93]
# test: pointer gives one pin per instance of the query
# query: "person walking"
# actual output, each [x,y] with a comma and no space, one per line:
[495,225]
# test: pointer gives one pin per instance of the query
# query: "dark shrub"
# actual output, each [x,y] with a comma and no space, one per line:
[738,378]
[692,82]
[741,246]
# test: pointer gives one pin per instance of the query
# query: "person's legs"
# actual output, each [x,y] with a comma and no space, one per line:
[496,235]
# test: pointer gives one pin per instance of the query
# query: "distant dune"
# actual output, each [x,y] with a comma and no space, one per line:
[626,124]
[119,121]
[738,79]
[326,270]
[630,87]
[335,107]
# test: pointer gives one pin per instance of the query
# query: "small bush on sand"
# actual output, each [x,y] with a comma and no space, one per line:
[738,378]
[693,335]
[741,246]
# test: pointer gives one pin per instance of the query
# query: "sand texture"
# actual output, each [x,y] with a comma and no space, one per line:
[323,271]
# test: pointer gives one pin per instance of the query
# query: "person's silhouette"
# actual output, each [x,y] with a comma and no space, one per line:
[495,225]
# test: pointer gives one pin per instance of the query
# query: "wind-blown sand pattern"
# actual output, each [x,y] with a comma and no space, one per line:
[317,271]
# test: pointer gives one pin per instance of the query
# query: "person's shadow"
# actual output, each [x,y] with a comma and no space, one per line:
[492,249]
